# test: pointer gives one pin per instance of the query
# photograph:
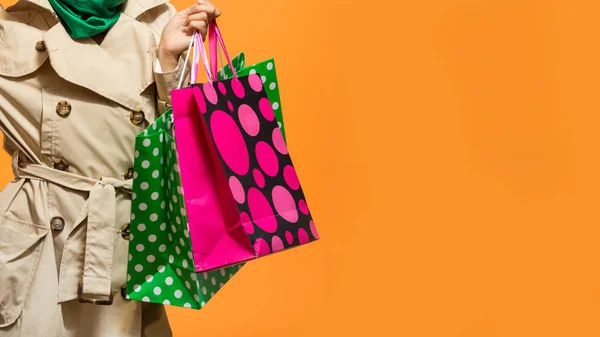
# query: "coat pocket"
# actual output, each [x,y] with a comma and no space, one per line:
[20,247]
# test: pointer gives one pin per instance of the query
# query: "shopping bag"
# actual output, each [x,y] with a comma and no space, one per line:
[242,193]
[161,266]
[268,76]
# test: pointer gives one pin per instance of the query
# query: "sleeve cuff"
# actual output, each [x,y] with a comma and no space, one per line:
[167,81]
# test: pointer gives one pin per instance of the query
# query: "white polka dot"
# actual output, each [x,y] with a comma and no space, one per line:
[170,237]
[275,105]
[128,277]
[196,297]
[280,125]
[169,280]
[161,160]
[131,236]
[184,264]
[221,285]
[137,288]
[146,142]
[154,195]
[157,290]
[162,183]
[178,220]
[149,278]
[176,168]
[213,281]
[146,299]
[178,271]
[140,247]
[177,250]
[160,137]
[230,275]
[204,291]
[187,305]
[162,204]
[143,206]
[130,257]
[188,285]
[171,259]
[137,154]
[163,226]
[133,196]
[193,276]
[205,275]
[155,174]
[270,66]
[172,177]
[174,198]
[150,258]
[182,211]
[178,293]
[179,190]
[202,304]
[182,242]
[152,238]
[153,126]
[173,229]
[212,295]
[153,217]
[145,164]
[162,248]
[144,185]
[166,302]
[222,271]
[135,175]
[252,71]
[161,269]
[171,207]
[264,79]
[272,86]
[141,227]
[155,152]
[186,233]
[139,268]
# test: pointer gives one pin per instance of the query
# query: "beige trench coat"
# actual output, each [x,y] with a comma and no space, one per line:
[69,111]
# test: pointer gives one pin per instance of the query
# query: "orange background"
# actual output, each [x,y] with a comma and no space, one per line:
[449,150]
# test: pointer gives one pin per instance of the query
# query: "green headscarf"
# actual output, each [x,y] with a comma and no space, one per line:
[86,18]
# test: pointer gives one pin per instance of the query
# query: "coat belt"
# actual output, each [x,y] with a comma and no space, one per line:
[100,210]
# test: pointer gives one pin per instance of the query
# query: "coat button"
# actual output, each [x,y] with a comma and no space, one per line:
[40,46]
[137,117]
[129,173]
[63,108]
[57,223]
[125,233]
[61,164]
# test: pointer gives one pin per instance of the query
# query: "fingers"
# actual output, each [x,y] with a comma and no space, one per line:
[205,7]
[199,26]
[195,17]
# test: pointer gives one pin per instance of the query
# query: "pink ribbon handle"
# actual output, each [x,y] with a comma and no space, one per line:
[214,35]
[197,45]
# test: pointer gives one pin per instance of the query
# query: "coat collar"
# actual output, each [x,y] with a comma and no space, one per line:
[131,8]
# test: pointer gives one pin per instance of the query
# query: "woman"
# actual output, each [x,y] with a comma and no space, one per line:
[79,79]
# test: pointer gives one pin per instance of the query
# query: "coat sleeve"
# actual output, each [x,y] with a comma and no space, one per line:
[167,81]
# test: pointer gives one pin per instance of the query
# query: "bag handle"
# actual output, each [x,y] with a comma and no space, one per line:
[214,36]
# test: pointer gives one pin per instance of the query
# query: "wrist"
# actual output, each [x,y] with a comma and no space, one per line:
[168,62]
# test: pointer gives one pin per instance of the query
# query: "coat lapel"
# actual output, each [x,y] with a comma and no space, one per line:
[120,71]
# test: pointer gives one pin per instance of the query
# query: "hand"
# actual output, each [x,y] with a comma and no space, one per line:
[177,33]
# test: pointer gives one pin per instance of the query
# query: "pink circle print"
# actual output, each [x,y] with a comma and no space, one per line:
[261,211]
[291,178]
[313,229]
[248,119]
[199,96]
[259,178]
[222,88]
[246,223]
[237,189]
[255,82]
[210,93]
[230,142]
[267,159]
[289,237]
[276,244]
[285,204]
[279,142]
[238,88]
[303,207]
[302,236]
[265,109]
[261,247]
[230,106]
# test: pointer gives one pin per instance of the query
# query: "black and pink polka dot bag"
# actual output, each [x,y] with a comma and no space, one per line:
[242,195]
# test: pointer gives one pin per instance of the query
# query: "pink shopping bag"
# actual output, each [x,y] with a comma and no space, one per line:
[243,196]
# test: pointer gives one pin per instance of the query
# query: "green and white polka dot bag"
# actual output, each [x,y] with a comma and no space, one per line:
[161,265]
